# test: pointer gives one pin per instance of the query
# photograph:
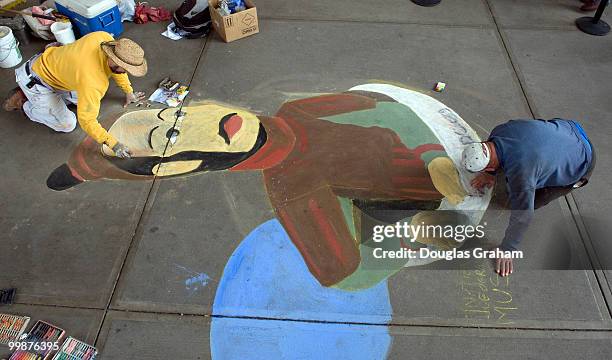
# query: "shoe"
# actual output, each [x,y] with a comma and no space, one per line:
[15,100]
[590,5]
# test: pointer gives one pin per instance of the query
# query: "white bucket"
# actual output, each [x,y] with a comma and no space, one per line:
[9,48]
[63,32]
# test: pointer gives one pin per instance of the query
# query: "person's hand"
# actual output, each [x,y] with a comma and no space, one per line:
[483,181]
[134,98]
[122,151]
[504,266]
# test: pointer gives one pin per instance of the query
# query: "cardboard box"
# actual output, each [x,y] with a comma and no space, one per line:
[234,26]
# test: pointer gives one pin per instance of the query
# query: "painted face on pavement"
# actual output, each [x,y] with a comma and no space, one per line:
[207,128]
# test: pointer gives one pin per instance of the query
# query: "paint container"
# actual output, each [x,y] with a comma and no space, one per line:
[44,335]
[19,27]
[74,349]
[10,55]
[11,327]
[63,32]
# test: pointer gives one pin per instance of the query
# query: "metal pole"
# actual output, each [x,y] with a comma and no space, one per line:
[594,25]
[600,10]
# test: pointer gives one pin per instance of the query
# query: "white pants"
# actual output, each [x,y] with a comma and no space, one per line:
[46,105]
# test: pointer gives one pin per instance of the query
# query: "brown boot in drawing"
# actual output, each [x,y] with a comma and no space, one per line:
[15,100]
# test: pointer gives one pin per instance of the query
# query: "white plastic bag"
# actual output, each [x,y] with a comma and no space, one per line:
[39,30]
[127,8]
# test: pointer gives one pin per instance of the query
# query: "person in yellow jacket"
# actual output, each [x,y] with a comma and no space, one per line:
[78,73]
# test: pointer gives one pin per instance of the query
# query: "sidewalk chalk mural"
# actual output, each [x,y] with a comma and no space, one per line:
[330,163]
[266,278]
[326,160]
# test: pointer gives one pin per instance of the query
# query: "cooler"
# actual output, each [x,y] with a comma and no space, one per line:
[92,15]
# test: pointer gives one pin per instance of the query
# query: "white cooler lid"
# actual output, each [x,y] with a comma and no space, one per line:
[88,8]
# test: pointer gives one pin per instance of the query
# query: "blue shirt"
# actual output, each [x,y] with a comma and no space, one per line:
[535,154]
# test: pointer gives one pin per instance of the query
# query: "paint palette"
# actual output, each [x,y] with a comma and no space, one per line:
[44,339]
[11,327]
[73,349]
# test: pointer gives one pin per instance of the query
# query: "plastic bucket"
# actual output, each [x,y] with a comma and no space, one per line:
[9,48]
[63,32]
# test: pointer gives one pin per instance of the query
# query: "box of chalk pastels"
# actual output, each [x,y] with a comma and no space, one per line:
[41,342]
[11,327]
[73,349]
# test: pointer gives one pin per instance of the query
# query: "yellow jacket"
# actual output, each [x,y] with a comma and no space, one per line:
[82,67]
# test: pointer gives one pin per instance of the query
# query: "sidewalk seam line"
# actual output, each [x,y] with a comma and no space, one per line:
[365,21]
[146,208]
[476,326]
[533,113]
[509,57]
[575,216]
[583,232]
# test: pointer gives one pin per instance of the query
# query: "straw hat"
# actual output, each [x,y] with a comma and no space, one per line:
[127,54]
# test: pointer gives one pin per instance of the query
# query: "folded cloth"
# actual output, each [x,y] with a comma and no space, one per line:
[174,33]
[145,13]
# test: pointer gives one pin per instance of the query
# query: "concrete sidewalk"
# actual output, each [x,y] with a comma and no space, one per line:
[144,269]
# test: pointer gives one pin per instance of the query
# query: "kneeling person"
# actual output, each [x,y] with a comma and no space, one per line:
[81,70]
[541,160]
